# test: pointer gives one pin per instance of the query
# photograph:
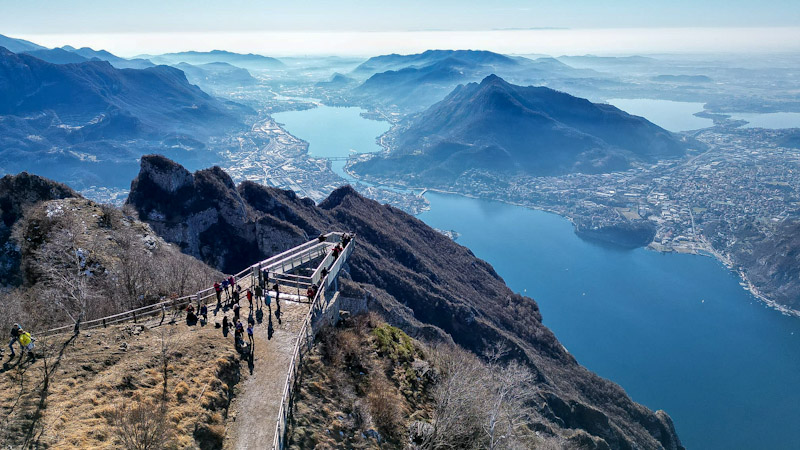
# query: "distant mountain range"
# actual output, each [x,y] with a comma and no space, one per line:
[501,127]
[248,61]
[103,55]
[394,61]
[212,76]
[414,82]
[78,121]
[19,45]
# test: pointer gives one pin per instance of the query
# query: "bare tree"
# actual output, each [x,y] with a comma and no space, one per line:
[511,391]
[480,404]
[64,263]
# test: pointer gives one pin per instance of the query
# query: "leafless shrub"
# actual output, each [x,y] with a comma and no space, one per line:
[141,426]
[385,405]
[478,404]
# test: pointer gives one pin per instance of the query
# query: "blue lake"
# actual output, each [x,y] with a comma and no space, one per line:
[668,114]
[677,332]
[334,131]
[769,120]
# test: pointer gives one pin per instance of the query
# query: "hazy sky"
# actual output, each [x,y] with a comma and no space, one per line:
[323,27]
[85,16]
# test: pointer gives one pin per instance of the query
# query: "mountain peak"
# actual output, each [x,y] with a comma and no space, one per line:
[338,196]
[498,126]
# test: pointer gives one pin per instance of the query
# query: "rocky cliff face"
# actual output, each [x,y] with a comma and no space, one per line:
[425,283]
[206,216]
[18,193]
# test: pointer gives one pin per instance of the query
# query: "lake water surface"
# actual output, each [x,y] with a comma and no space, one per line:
[334,131]
[769,120]
[677,332]
[668,114]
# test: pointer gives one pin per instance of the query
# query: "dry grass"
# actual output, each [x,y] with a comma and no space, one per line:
[102,370]
[361,378]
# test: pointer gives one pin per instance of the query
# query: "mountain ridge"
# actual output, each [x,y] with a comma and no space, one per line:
[422,281]
[499,126]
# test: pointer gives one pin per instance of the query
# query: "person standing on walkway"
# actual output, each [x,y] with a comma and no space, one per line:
[259,294]
[250,336]
[15,331]
[218,291]
[235,311]
[225,288]
[236,295]
[225,326]
[249,295]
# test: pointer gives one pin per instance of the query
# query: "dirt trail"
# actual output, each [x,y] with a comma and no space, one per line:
[255,409]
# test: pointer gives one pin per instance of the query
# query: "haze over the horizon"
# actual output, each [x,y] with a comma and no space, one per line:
[353,27]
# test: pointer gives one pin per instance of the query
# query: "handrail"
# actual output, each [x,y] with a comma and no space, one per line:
[280,426]
[269,263]
[306,333]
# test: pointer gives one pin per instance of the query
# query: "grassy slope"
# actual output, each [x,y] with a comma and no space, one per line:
[103,370]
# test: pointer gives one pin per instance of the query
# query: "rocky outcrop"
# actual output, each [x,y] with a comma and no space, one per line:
[18,193]
[421,280]
[205,214]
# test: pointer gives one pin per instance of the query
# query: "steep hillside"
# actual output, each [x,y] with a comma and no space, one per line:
[19,193]
[87,123]
[67,259]
[101,384]
[159,98]
[502,127]
[423,282]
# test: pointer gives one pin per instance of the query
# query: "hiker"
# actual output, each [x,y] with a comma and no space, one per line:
[191,318]
[265,278]
[250,335]
[232,282]
[346,239]
[336,251]
[235,311]
[249,295]
[322,238]
[237,339]
[277,293]
[259,294]
[26,342]
[225,287]
[218,291]
[236,295]
[312,291]
[204,312]
[15,331]
[225,326]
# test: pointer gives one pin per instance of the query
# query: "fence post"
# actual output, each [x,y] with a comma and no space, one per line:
[104,323]
[134,316]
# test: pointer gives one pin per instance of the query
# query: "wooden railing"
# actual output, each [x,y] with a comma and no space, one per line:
[305,340]
[278,267]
